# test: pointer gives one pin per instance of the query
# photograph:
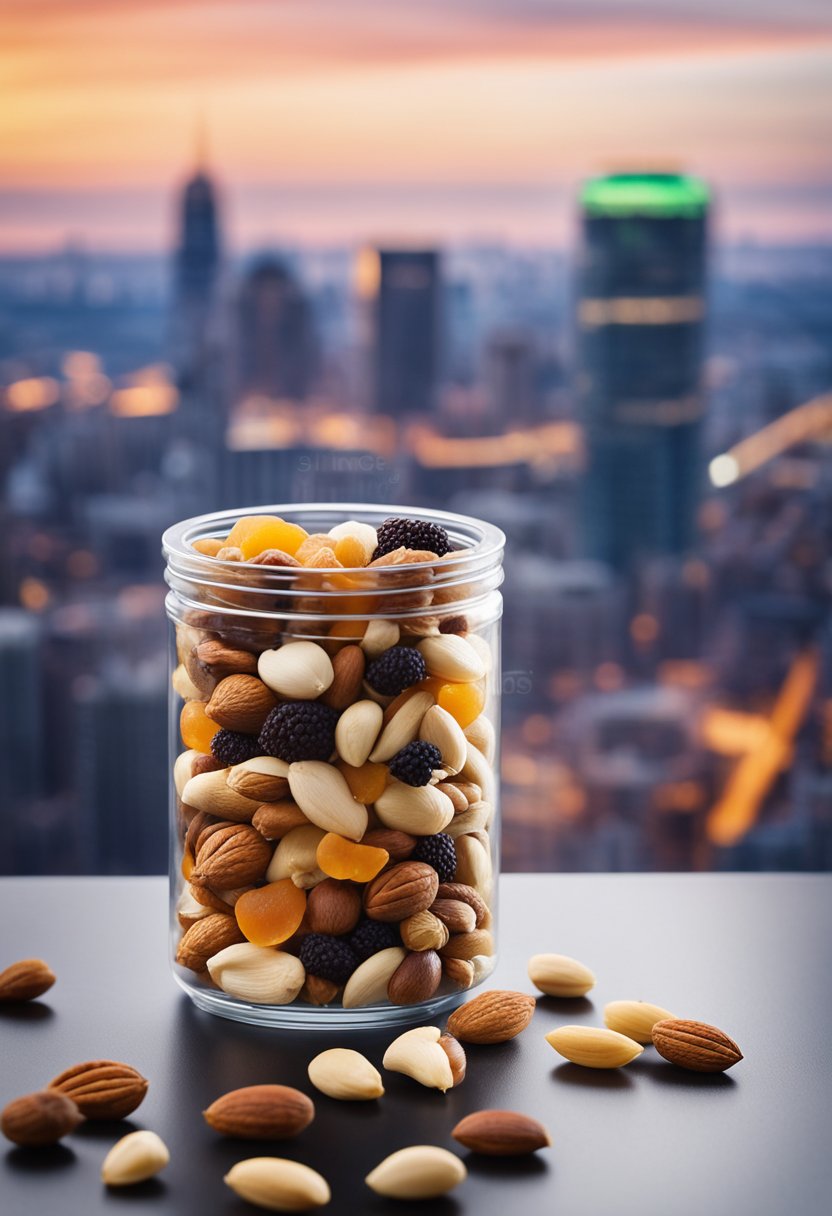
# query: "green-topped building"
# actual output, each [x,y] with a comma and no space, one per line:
[640,317]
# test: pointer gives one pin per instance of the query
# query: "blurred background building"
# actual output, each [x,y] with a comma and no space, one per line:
[641,398]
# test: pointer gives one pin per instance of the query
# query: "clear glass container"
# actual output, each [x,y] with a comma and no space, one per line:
[312,886]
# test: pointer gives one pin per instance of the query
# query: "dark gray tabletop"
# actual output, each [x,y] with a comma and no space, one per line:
[748,953]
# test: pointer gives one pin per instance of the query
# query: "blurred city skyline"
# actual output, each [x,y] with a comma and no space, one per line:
[333,123]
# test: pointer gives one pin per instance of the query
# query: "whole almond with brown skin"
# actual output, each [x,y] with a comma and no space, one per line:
[459,971]
[501,1133]
[203,894]
[240,703]
[274,820]
[26,980]
[318,991]
[460,890]
[348,665]
[205,764]
[469,945]
[233,856]
[38,1119]
[492,1017]
[455,1052]
[401,891]
[455,915]
[416,979]
[695,1045]
[333,907]
[205,938]
[261,1112]
[222,660]
[273,557]
[398,844]
[102,1089]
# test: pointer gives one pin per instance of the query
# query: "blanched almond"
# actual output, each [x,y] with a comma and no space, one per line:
[357,730]
[296,857]
[420,810]
[379,636]
[346,1075]
[635,1019]
[593,1046]
[210,792]
[278,1184]
[300,671]
[418,1054]
[134,1158]
[323,795]
[402,728]
[560,975]
[451,657]
[442,730]
[422,1171]
[368,983]
[257,974]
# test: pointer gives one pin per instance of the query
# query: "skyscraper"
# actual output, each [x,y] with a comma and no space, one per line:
[275,345]
[400,294]
[641,312]
[196,272]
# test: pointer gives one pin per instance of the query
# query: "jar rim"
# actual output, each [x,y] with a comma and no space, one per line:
[476,557]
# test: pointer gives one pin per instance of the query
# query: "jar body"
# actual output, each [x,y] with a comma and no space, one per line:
[346,885]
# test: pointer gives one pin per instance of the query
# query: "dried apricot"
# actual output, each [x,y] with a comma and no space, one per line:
[462,701]
[273,533]
[272,914]
[340,858]
[367,782]
[196,728]
[351,551]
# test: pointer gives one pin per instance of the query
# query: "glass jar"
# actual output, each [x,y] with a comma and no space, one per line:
[311,885]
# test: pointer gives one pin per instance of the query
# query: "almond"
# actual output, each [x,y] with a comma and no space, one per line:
[183,685]
[274,819]
[416,979]
[205,764]
[469,945]
[134,1158]
[210,792]
[274,557]
[401,891]
[478,771]
[333,908]
[403,727]
[357,730]
[183,769]
[457,916]
[278,1184]
[379,636]
[492,1017]
[260,1112]
[422,1171]
[233,856]
[221,660]
[317,991]
[459,972]
[257,974]
[189,910]
[263,779]
[419,1054]
[451,657]
[467,895]
[398,844]
[368,983]
[296,857]
[635,1019]
[482,735]
[457,797]
[348,674]
[300,671]
[593,1047]
[475,818]
[323,795]
[206,937]
[102,1089]
[473,864]
[345,1075]
[457,1059]
[695,1045]
[443,731]
[26,980]
[419,810]
[240,703]
[501,1133]
[560,975]
[39,1119]
[424,931]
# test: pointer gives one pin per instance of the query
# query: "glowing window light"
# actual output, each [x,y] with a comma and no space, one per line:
[35,393]
[34,594]
[723,470]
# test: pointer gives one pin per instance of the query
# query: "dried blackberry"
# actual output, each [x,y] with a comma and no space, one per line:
[370,936]
[233,747]
[299,730]
[330,958]
[395,670]
[438,851]
[396,532]
[415,763]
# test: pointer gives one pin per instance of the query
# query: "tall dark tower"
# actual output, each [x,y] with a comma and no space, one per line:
[400,294]
[196,272]
[275,342]
[641,312]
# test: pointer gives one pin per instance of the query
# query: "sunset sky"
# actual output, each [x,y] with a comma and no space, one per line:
[345,119]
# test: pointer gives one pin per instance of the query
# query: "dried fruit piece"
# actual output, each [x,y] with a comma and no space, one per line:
[464,702]
[341,858]
[254,533]
[593,1046]
[39,1119]
[346,1075]
[196,728]
[352,551]
[501,1133]
[366,783]
[134,1158]
[26,980]
[695,1045]
[422,1171]
[278,1184]
[272,914]
[102,1089]
[261,1112]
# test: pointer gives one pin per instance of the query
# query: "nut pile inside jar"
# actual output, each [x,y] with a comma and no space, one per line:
[336,793]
